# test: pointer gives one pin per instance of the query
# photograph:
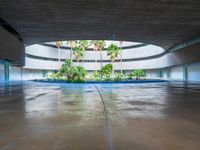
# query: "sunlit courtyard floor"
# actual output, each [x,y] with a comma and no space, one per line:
[147,116]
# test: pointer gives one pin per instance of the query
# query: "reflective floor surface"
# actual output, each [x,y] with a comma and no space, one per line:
[153,116]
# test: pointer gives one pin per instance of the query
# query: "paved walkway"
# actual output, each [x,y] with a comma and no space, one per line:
[153,116]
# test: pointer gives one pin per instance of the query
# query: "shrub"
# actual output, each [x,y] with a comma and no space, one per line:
[130,75]
[95,75]
[138,73]
[52,76]
[70,72]
[79,73]
[119,76]
[106,70]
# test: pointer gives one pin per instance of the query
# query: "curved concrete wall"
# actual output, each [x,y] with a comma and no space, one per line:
[180,65]
[11,49]
[186,55]
[50,52]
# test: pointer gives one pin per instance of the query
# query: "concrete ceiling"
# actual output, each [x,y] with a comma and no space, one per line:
[160,22]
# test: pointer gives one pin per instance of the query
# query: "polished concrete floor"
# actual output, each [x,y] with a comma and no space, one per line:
[153,116]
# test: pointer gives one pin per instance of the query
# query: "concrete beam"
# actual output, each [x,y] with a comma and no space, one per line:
[165,23]
[11,49]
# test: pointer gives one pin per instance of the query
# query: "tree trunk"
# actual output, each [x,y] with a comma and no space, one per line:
[71,54]
[121,60]
[96,61]
[58,57]
[82,61]
[101,58]
[77,59]
[113,71]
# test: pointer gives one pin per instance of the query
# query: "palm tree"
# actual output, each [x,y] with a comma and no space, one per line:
[71,45]
[78,51]
[121,56]
[84,44]
[113,51]
[95,48]
[58,44]
[99,45]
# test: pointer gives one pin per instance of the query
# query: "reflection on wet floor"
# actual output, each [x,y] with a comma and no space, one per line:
[151,116]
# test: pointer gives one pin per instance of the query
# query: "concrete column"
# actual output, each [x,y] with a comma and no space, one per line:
[6,69]
[159,74]
[168,73]
[21,73]
[145,73]
[185,72]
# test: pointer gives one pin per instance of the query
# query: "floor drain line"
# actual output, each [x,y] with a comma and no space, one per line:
[107,123]
[42,94]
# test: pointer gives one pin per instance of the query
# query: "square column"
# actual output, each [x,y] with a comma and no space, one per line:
[6,69]
[185,72]
[159,73]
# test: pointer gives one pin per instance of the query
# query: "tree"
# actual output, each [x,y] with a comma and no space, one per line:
[58,44]
[84,44]
[95,48]
[80,73]
[130,75]
[119,76]
[138,73]
[95,75]
[113,51]
[66,69]
[121,56]
[98,45]
[71,45]
[71,72]
[78,51]
[101,45]
[107,70]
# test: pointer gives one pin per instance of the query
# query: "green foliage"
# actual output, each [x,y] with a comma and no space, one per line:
[78,52]
[138,73]
[113,51]
[70,72]
[84,44]
[58,44]
[52,76]
[130,75]
[95,75]
[79,48]
[79,73]
[119,76]
[99,45]
[67,70]
[66,66]
[106,70]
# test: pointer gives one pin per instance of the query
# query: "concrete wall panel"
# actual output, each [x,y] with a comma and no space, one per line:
[15,73]
[151,74]
[29,74]
[194,72]
[165,73]
[176,73]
